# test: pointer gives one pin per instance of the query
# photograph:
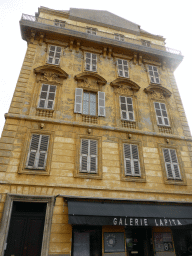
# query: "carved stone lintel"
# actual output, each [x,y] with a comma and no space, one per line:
[157,92]
[117,83]
[86,76]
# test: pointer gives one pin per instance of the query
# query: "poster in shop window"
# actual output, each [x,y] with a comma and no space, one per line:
[114,242]
[163,242]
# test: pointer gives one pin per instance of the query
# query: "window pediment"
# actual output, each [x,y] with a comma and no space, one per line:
[50,74]
[86,76]
[119,82]
[158,91]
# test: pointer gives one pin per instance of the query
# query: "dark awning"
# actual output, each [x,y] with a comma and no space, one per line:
[128,214]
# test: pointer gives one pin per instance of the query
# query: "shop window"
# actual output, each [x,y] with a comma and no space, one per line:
[37,154]
[92,31]
[88,158]
[161,113]
[54,55]
[119,37]
[90,61]
[122,68]
[59,23]
[131,160]
[171,164]
[86,103]
[126,105]
[47,97]
[154,75]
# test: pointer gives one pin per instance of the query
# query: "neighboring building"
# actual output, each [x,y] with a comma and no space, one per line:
[96,150]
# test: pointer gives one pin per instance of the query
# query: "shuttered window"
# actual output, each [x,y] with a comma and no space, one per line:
[47,96]
[161,113]
[126,105]
[88,159]
[90,61]
[37,155]
[154,75]
[171,164]
[131,160]
[122,68]
[86,103]
[54,55]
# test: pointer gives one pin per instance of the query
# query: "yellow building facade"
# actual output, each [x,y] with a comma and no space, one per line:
[96,150]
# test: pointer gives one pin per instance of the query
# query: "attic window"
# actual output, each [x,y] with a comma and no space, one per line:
[146,43]
[91,31]
[119,37]
[59,23]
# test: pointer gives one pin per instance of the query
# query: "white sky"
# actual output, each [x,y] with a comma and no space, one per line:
[169,18]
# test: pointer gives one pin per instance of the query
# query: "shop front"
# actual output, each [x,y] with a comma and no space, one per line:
[129,228]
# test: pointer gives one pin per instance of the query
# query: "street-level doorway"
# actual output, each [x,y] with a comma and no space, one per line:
[26,229]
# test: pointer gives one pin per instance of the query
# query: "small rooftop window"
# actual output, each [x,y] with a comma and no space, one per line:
[59,23]
[146,43]
[119,37]
[92,31]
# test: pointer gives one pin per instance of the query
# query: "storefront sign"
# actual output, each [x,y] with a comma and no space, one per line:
[146,222]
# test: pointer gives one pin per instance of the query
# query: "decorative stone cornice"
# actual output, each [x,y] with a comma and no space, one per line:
[50,74]
[157,91]
[151,62]
[119,82]
[122,56]
[82,77]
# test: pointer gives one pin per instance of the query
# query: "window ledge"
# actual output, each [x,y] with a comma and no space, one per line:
[90,119]
[128,124]
[34,171]
[133,178]
[175,182]
[165,129]
[88,175]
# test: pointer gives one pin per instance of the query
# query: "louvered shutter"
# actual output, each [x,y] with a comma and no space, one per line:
[93,156]
[127,159]
[51,96]
[123,108]
[120,67]
[94,62]
[171,164]
[125,68]
[43,96]
[130,113]
[33,150]
[84,155]
[37,155]
[135,160]
[88,61]
[42,157]
[78,100]
[161,114]
[101,104]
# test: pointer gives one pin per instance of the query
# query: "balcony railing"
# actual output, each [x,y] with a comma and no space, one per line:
[65,25]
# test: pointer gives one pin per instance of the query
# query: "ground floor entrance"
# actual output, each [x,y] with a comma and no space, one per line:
[26,229]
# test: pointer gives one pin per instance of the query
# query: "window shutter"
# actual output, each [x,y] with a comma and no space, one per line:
[101,104]
[94,62]
[43,151]
[130,113]
[88,61]
[33,150]
[78,100]
[123,108]
[93,156]
[84,155]
[161,114]
[127,159]
[135,157]
[154,75]
[120,67]
[171,164]
[37,155]
[125,68]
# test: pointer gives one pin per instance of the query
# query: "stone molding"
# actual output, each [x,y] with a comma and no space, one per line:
[124,84]
[83,77]
[157,91]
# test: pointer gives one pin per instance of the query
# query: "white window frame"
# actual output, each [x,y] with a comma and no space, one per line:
[53,54]
[132,160]
[171,164]
[154,74]
[162,116]
[89,156]
[122,65]
[92,31]
[38,150]
[47,99]
[100,102]
[127,111]
[92,58]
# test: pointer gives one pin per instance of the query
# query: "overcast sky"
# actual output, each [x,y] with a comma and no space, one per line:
[169,18]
